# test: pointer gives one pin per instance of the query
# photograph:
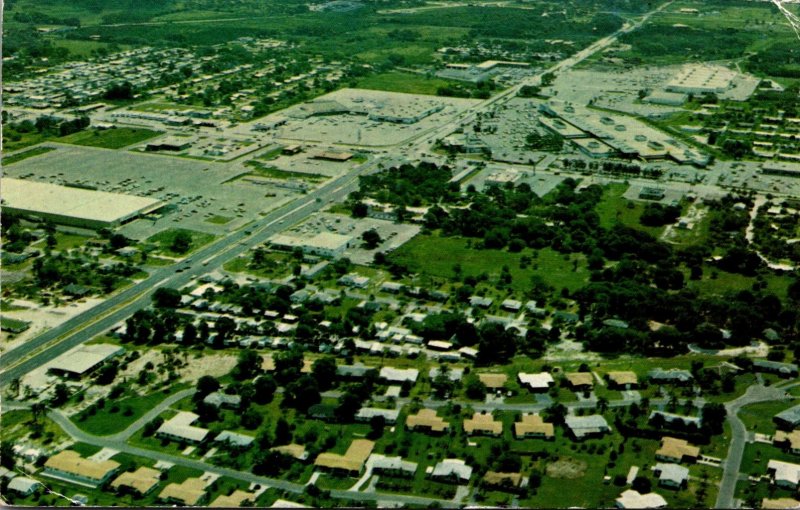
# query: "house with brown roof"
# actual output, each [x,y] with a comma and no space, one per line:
[579,381]
[426,420]
[234,500]
[484,424]
[493,381]
[625,380]
[294,450]
[533,426]
[779,503]
[789,441]
[503,480]
[677,450]
[142,481]
[190,492]
[352,462]
[69,465]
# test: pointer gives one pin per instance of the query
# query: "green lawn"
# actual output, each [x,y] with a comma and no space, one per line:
[435,256]
[758,417]
[614,208]
[164,240]
[15,158]
[410,83]
[219,220]
[110,138]
[7,323]
[116,416]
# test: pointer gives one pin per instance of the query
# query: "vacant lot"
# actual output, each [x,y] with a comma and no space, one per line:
[110,138]
[403,82]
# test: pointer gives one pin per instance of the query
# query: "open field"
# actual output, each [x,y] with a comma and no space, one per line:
[403,82]
[116,138]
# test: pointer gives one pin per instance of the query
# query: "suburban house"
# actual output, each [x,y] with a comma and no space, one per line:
[483,424]
[190,492]
[427,420]
[672,419]
[234,439]
[399,375]
[352,462]
[493,381]
[455,470]
[218,399]
[503,480]
[784,474]
[532,425]
[142,481]
[180,428]
[633,499]
[24,486]
[677,450]
[779,503]
[536,382]
[579,381]
[671,376]
[393,466]
[366,414]
[624,380]
[70,466]
[586,426]
[788,419]
[293,450]
[235,499]
[670,475]
[775,367]
[789,441]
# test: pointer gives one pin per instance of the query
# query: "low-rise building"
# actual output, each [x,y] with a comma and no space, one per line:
[625,380]
[533,426]
[479,301]
[455,470]
[586,426]
[633,499]
[234,439]
[670,475]
[789,441]
[23,485]
[784,474]
[427,420]
[671,376]
[83,360]
[218,399]
[579,381]
[672,419]
[677,450]
[352,462]
[393,466]
[775,367]
[69,465]
[536,382]
[493,381]
[399,375]
[180,428]
[294,450]
[142,481]
[503,480]
[190,492]
[236,499]
[789,419]
[483,424]
[366,414]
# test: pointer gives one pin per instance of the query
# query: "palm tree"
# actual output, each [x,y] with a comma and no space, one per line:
[602,405]
[37,410]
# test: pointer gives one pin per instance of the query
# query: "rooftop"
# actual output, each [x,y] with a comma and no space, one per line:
[633,499]
[483,423]
[579,378]
[533,424]
[676,449]
[142,480]
[493,381]
[353,459]
[426,418]
[622,378]
[234,500]
[85,357]
[190,492]
[542,380]
[71,462]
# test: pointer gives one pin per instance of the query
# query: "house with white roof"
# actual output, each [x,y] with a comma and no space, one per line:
[536,382]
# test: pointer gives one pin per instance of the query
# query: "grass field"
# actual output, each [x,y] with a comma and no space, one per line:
[758,417]
[409,83]
[164,239]
[110,138]
[276,173]
[613,208]
[15,158]
[435,256]
[219,220]
[116,416]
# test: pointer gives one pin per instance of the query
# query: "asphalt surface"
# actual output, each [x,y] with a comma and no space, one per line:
[732,463]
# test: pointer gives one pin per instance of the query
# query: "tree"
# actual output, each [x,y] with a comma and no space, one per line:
[205,386]
[714,416]
[189,334]
[302,393]
[555,413]
[474,388]
[264,387]
[61,394]
[166,297]
[181,242]
[247,366]
[371,239]
[376,424]
[283,433]
[602,405]
[7,457]
[251,419]
[324,371]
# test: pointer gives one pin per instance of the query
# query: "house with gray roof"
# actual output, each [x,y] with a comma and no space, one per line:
[670,475]
[586,426]
[671,376]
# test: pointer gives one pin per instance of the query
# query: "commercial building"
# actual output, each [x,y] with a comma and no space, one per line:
[83,359]
[324,244]
[76,207]
[69,465]
[170,143]
[701,79]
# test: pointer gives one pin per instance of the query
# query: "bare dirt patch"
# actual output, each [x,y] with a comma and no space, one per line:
[566,468]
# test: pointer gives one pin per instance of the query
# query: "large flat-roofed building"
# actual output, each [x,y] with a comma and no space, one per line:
[324,244]
[83,360]
[781,168]
[77,207]
[701,79]
[69,465]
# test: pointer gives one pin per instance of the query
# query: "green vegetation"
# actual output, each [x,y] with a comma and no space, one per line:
[177,242]
[261,170]
[408,83]
[219,220]
[115,138]
[15,158]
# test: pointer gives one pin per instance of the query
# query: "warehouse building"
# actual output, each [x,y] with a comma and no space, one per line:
[83,360]
[324,244]
[77,207]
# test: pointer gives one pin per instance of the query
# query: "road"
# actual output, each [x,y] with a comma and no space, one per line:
[732,463]
[119,307]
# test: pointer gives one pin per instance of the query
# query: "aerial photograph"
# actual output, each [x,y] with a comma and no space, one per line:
[400,253]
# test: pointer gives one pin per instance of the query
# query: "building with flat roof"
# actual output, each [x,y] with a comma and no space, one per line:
[779,503]
[399,375]
[76,207]
[83,359]
[323,244]
[782,168]
[701,79]
[784,474]
[69,465]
